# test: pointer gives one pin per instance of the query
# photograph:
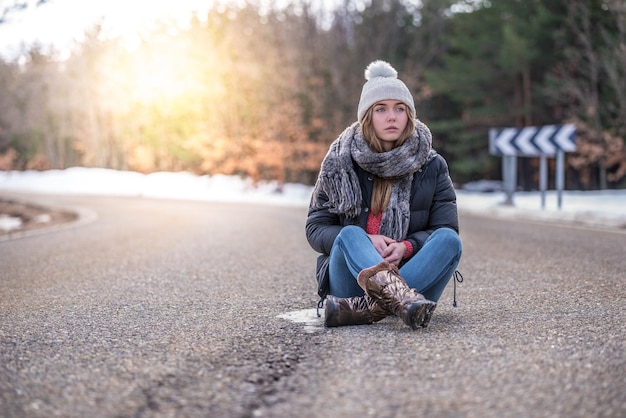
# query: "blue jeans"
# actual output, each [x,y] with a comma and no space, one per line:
[428,271]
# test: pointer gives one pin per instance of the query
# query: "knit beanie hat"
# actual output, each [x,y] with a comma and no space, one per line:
[382,84]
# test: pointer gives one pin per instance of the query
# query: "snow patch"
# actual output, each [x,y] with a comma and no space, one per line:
[605,208]
[9,223]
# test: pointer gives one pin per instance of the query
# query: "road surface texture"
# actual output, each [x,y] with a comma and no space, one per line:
[158,308]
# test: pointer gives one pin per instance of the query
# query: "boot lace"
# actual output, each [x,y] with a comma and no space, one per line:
[320,305]
[457,277]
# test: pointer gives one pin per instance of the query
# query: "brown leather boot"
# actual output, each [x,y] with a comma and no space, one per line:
[384,284]
[357,310]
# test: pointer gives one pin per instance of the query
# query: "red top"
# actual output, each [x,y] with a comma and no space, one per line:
[373,228]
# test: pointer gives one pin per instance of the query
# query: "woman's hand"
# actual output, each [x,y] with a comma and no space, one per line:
[394,253]
[388,248]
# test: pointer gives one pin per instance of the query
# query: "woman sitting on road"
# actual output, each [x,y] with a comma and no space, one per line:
[383,213]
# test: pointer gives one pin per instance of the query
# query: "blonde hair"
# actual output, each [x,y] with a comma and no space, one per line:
[382,187]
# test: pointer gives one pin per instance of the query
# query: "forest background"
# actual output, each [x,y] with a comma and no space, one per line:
[258,90]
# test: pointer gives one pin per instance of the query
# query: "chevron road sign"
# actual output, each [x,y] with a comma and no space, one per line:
[532,141]
[543,142]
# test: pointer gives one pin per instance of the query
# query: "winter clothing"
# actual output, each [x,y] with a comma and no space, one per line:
[339,182]
[420,212]
[432,205]
[386,294]
[382,84]
[357,310]
[384,284]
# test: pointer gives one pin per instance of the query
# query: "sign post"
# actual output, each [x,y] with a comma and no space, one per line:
[509,177]
[560,177]
[543,142]
[543,179]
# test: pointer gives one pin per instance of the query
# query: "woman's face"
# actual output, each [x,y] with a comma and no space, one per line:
[389,118]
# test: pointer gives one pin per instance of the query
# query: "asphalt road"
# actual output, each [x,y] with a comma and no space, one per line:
[176,309]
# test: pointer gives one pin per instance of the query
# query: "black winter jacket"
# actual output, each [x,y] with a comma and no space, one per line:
[433,206]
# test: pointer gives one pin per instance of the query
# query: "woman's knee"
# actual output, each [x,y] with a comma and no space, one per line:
[350,232]
[450,239]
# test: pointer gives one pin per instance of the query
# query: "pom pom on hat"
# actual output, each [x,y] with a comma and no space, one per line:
[380,69]
[382,84]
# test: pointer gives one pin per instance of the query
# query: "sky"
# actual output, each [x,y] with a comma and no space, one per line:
[602,209]
[62,23]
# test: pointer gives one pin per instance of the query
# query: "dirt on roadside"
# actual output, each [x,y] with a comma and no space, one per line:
[31,216]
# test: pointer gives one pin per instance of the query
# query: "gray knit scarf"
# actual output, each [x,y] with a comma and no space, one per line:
[338,180]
